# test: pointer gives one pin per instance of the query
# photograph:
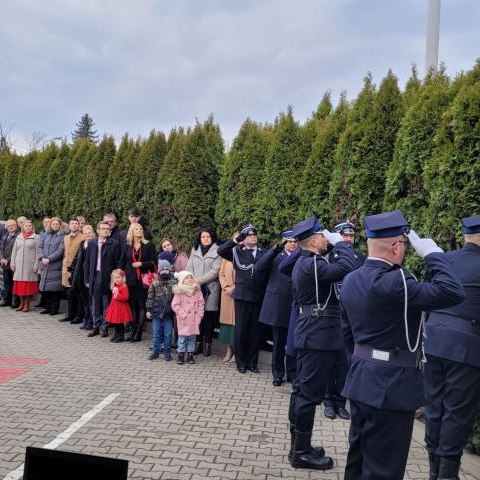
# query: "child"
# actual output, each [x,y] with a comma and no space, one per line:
[188,304]
[159,309]
[118,311]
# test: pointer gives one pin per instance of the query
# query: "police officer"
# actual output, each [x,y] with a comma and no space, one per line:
[452,372]
[244,252]
[276,304]
[317,332]
[334,401]
[382,310]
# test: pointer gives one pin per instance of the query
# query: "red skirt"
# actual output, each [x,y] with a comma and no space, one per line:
[118,312]
[25,289]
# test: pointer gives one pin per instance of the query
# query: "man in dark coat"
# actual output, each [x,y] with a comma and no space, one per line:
[276,304]
[452,371]
[7,239]
[317,332]
[244,252]
[115,232]
[334,401]
[102,257]
[382,313]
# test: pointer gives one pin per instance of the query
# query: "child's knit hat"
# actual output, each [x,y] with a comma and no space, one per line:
[181,276]
[164,265]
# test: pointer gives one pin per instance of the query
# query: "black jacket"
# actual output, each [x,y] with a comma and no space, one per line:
[110,261]
[148,257]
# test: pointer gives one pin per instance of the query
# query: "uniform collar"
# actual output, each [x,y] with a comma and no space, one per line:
[473,247]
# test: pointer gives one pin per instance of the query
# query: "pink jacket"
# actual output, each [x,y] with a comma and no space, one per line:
[189,310]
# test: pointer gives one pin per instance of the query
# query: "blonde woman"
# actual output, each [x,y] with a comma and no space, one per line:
[138,257]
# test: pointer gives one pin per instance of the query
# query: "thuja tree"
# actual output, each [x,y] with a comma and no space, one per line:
[37,181]
[25,187]
[404,187]
[350,151]
[277,199]
[9,187]
[317,173]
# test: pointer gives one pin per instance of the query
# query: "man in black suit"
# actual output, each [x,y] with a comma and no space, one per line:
[102,256]
[7,239]
[250,284]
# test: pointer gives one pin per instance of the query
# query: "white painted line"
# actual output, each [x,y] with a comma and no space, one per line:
[65,435]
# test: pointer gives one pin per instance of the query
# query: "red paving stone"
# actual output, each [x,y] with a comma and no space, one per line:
[7,373]
[30,361]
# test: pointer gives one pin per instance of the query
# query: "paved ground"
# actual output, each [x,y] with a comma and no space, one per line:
[170,422]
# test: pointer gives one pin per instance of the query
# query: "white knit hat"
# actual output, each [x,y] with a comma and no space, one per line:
[181,276]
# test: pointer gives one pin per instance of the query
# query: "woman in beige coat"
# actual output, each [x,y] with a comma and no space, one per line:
[24,264]
[226,276]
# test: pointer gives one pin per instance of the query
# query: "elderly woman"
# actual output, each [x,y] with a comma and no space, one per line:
[24,264]
[50,255]
[138,258]
[204,263]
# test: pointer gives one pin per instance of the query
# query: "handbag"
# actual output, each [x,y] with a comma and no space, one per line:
[147,278]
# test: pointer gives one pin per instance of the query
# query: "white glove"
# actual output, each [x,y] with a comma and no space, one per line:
[423,246]
[332,238]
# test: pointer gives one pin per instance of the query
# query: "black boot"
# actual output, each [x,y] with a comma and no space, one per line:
[319,451]
[448,469]
[303,457]
[207,349]
[190,358]
[198,348]
[433,461]
[180,358]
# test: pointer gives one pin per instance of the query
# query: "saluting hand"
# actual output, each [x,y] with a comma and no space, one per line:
[332,238]
[423,246]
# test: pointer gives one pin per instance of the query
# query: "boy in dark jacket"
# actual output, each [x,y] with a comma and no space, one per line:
[159,309]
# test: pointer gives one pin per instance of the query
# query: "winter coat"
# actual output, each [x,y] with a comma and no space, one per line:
[205,270]
[78,266]
[189,310]
[148,258]
[6,246]
[51,246]
[119,309]
[226,276]
[24,261]
[180,262]
[159,298]
[72,243]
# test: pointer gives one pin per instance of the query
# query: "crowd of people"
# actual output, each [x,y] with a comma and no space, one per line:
[344,325]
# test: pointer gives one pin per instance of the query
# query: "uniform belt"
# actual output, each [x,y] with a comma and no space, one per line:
[395,358]
[312,309]
[463,324]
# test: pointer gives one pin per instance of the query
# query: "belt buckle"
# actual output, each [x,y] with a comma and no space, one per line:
[381,355]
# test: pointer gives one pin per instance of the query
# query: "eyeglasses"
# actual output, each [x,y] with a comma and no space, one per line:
[405,242]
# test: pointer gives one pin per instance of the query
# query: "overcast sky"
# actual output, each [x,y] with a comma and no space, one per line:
[135,66]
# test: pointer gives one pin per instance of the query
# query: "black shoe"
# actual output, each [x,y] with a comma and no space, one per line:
[241,369]
[277,382]
[114,338]
[93,333]
[76,321]
[304,456]
[434,462]
[207,349]
[119,339]
[45,312]
[5,304]
[448,469]
[190,358]
[129,338]
[54,312]
[14,305]
[180,358]
[342,412]
[330,413]
[83,327]
[167,357]
[68,318]
[254,370]
[318,451]
[153,356]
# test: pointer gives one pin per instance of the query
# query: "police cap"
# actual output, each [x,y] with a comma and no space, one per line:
[471,224]
[386,225]
[307,228]
[345,227]
[288,235]
[249,230]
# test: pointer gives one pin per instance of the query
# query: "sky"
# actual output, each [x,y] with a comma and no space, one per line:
[158,64]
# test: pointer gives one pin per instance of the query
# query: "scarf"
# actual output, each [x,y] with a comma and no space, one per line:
[205,249]
[26,235]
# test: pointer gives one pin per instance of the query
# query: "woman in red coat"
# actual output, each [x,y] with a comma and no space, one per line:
[118,312]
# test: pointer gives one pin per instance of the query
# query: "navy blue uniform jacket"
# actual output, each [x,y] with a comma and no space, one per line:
[443,335]
[249,284]
[373,314]
[278,294]
[324,332]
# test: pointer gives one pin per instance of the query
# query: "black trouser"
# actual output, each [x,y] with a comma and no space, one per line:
[137,299]
[314,369]
[207,326]
[333,395]
[379,443]
[52,300]
[7,285]
[279,335]
[119,329]
[247,334]
[73,304]
[452,393]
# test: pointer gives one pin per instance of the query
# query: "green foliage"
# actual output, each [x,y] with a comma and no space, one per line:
[84,129]
[8,193]
[473,444]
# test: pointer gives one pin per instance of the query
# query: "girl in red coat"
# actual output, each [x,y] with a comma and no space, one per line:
[118,312]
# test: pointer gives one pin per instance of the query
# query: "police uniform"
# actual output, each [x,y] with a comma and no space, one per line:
[452,372]
[334,401]
[275,311]
[248,296]
[317,337]
[384,383]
